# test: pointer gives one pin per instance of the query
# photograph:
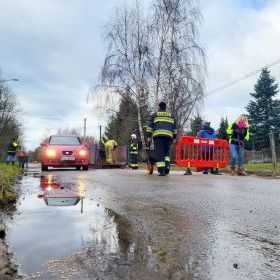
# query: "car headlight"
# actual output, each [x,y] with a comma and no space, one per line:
[50,153]
[82,153]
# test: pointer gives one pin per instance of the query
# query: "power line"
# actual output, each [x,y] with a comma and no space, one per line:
[245,76]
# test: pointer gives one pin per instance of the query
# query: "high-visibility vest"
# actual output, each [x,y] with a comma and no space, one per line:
[133,148]
[237,135]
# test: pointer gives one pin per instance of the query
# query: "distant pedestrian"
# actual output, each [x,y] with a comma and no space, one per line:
[22,158]
[133,152]
[238,132]
[162,128]
[11,151]
[207,152]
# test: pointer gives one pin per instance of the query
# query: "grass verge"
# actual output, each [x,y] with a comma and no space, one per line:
[265,169]
[8,173]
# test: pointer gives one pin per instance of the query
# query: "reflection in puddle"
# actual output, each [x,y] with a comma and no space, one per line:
[55,195]
[40,233]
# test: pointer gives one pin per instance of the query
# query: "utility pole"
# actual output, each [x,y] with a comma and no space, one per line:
[100,131]
[273,151]
[85,128]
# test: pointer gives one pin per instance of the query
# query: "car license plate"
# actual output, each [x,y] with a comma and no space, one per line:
[67,158]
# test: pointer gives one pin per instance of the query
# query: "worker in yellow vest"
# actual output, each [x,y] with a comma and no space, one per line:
[11,151]
[110,146]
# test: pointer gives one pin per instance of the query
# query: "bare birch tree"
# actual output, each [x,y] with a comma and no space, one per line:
[153,57]
[177,62]
[125,68]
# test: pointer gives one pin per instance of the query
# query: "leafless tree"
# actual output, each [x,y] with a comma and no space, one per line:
[9,115]
[177,62]
[125,69]
[155,57]
[73,131]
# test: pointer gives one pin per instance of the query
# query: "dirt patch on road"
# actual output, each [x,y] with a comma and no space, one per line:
[8,270]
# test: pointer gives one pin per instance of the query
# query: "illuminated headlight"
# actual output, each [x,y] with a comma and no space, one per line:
[50,153]
[82,153]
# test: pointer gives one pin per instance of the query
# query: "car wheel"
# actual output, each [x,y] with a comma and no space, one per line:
[85,167]
[78,167]
[44,167]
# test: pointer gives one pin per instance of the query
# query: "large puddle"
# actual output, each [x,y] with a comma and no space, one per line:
[55,220]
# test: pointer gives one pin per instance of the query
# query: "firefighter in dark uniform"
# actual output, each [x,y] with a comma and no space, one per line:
[162,128]
[133,152]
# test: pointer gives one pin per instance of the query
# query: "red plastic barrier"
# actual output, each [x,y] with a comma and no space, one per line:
[202,152]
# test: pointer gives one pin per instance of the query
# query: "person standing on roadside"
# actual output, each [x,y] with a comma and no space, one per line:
[162,128]
[11,151]
[207,152]
[238,132]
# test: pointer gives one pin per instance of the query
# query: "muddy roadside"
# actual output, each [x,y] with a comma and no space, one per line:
[8,269]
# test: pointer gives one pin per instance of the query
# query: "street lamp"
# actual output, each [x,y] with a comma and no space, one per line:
[8,80]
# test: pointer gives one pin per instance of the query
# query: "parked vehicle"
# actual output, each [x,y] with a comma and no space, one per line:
[64,151]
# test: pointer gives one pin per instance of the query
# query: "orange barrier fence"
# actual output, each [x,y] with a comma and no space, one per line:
[202,152]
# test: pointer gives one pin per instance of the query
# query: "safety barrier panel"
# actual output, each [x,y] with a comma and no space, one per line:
[202,152]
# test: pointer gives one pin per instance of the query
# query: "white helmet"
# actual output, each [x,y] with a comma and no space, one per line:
[133,136]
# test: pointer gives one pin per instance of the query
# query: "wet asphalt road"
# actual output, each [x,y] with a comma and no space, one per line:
[123,224]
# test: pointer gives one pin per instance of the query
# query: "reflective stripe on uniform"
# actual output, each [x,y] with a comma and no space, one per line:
[134,165]
[167,158]
[15,144]
[134,153]
[162,132]
[161,164]
[149,130]
[163,114]
[164,119]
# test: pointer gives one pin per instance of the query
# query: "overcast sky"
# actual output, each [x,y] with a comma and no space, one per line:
[55,48]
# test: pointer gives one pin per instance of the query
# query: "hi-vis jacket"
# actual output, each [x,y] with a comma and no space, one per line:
[237,135]
[12,148]
[133,148]
[161,124]
[111,144]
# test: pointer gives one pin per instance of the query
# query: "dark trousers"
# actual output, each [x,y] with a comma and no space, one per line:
[133,161]
[162,148]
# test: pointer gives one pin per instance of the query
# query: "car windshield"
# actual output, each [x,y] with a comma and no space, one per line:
[65,140]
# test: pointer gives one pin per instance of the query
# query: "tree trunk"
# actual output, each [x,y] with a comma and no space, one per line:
[139,120]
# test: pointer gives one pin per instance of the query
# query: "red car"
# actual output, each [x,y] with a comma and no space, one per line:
[64,151]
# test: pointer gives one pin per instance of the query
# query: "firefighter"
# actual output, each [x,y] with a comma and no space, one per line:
[162,128]
[238,132]
[133,152]
[11,152]
[110,146]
